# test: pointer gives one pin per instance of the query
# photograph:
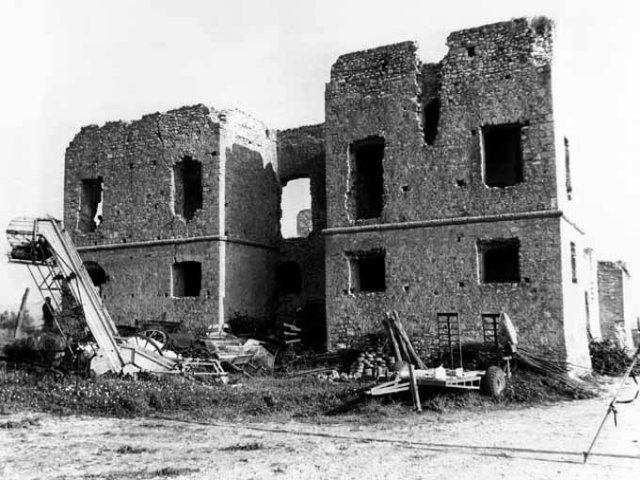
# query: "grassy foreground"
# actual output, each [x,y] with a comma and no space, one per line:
[252,399]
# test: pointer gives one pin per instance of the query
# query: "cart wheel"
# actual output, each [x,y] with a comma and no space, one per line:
[493,382]
[157,335]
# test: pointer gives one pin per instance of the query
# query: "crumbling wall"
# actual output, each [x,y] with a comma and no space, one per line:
[140,287]
[492,75]
[136,162]
[147,169]
[301,154]
[612,277]
[251,215]
[469,161]
[435,270]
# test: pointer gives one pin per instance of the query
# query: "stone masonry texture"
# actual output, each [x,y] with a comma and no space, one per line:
[615,317]
[431,124]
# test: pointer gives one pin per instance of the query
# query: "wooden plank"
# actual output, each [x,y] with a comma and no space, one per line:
[405,338]
[415,395]
[292,327]
[19,333]
[392,339]
[404,352]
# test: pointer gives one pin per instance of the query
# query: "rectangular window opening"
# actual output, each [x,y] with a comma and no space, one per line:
[187,181]
[574,265]
[366,158]
[187,279]
[502,155]
[90,214]
[567,167]
[499,261]
[367,271]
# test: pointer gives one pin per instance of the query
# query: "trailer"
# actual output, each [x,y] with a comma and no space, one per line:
[491,381]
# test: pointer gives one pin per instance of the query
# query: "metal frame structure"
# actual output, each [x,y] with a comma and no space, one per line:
[46,248]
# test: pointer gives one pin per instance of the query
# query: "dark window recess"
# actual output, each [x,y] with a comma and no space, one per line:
[431,120]
[368,271]
[96,273]
[500,261]
[567,167]
[90,216]
[367,158]
[187,175]
[502,155]
[289,276]
[187,279]
[574,266]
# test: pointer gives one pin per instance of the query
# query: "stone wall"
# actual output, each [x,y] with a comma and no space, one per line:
[382,92]
[233,235]
[614,322]
[428,132]
[140,283]
[435,269]
[136,161]
[435,121]
[301,154]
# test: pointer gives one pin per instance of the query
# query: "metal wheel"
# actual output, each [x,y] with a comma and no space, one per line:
[157,335]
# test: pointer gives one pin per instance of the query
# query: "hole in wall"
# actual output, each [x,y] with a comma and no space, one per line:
[499,260]
[471,51]
[502,155]
[460,183]
[187,181]
[431,121]
[187,279]
[367,271]
[97,274]
[404,188]
[295,205]
[91,203]
[368,188]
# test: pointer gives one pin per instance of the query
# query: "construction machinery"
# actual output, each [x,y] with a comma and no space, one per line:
[47,250]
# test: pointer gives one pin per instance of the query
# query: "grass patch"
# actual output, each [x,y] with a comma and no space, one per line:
[243,447]
[172,472]
[255,399]
[165,472]
[24,423]
[128,449]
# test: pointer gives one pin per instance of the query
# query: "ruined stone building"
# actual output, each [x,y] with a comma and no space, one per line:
[437,189]
[616,313]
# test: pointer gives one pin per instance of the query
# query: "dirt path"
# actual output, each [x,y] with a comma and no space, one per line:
[537,443]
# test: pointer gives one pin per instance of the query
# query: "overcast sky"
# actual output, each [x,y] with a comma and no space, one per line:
[71,63]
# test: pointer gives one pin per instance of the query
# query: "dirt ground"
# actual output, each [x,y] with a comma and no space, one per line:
[532,443]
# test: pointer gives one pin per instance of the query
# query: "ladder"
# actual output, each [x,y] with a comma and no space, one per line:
[490,332]
[449,346]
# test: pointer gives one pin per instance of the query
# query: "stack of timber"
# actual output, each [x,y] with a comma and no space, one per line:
[399,340]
